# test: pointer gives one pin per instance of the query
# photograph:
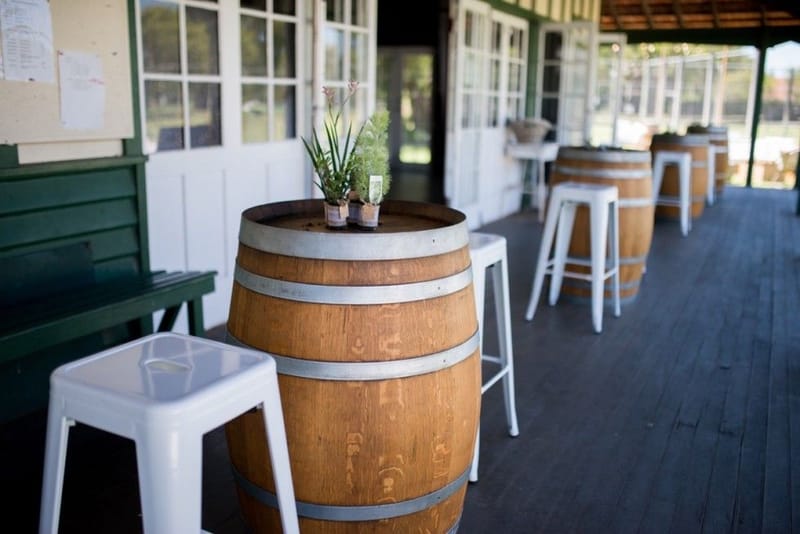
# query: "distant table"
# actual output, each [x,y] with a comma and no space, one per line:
[535,152]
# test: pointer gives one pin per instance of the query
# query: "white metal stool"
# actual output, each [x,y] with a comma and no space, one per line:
[603,202]
[489,251]
[165,391]
[683,160]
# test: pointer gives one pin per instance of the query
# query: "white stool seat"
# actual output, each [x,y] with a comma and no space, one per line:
[489,251]
[603,203]
[165,391]
[683,160]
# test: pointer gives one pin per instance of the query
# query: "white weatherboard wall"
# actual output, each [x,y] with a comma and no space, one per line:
[195,206]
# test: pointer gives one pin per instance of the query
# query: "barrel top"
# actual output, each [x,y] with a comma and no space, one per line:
[407,229]
[691,139]
[707,129]
[604,154]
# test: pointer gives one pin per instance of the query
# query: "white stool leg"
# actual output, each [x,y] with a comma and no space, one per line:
[658,175]
[566,221]
[54,461]
[473,470]
[170,483]
[685,171]
[541,186]
[503,314]
[614,227]
[479,287]
[279,455]
[599,232]
[712,155]
[544,254]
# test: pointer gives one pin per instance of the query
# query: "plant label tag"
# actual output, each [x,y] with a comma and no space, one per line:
[375,189]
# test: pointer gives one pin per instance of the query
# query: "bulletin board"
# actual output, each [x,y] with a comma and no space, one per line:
[31,111]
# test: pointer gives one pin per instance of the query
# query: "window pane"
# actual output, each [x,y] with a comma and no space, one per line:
[552,45]
[358,57]
[334,52]
[163,115]
[515,44]
[204,114]
[550,110]
[514,108]
[497,37]
[254,46]
[469,37]
[255,117]
[514,77]
[357,110]
[551,79]
[284,7]
[201,41]
[334,10]
[494,75]
[358,13]
[285,112]
[494,111]
[284,47]
[160,37]
[260,5]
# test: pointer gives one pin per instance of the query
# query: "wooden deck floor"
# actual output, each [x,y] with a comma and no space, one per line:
[682,416]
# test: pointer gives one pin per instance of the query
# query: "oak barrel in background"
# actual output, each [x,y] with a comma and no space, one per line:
[697,146]
[631,172]
[718,137]
[376,340]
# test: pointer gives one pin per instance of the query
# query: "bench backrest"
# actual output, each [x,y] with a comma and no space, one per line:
[102,202]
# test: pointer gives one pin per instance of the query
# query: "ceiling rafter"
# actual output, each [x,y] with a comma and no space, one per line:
[715,13]
[676,5]
[647,13]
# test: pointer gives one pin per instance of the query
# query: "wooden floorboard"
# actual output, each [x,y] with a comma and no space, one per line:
[683,416]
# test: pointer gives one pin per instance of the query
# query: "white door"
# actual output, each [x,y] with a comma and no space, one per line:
[488,73]
[225,96]
[467,113]
[565,79]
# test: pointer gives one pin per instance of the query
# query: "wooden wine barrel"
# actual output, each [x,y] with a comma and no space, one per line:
[718,136]
[697,146]
[631,172]
[376,341]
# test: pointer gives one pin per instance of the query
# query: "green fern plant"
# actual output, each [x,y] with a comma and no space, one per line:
[371,160]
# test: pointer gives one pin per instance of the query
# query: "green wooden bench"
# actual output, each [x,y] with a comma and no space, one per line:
[58,300]
[74,272]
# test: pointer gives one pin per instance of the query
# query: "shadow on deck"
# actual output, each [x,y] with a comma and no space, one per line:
[682,416]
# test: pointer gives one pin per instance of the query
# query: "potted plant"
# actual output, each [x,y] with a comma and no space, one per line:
[371,179]
[333,160]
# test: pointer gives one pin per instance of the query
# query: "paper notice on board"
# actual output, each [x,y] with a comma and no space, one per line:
[27,40]
[82,90]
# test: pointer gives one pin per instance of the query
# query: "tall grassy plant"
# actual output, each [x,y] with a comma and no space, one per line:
[333,161]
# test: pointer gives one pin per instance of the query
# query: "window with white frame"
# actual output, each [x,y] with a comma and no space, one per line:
[180,74]
[495,60]
[507,67]
[268,40]
[346,47]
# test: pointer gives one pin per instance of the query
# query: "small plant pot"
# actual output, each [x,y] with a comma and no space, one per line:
[369,215]
[336,215]
[354,208]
